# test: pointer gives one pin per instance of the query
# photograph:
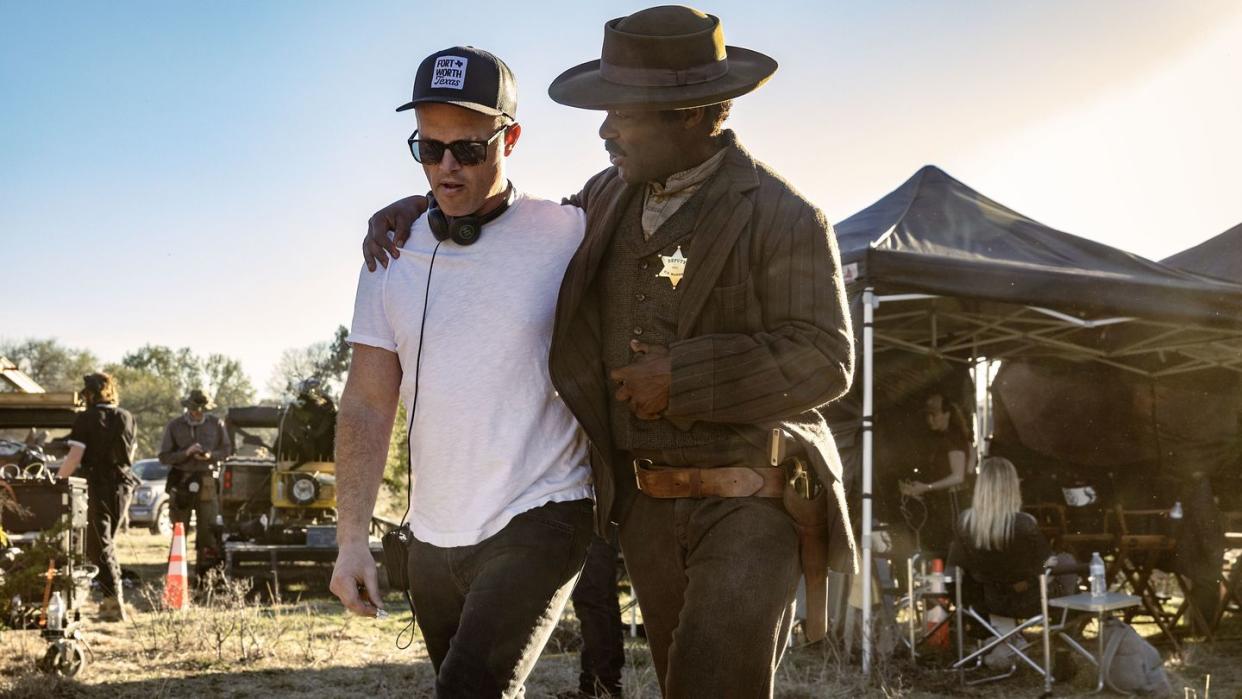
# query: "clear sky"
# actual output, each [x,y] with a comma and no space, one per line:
[200,173]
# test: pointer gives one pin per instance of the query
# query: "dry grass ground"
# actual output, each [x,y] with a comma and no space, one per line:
[235,644]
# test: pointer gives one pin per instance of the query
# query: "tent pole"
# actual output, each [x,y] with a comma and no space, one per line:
[979,379]
[868,359]
[988,408]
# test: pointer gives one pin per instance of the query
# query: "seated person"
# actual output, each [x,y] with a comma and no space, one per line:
[1001,547]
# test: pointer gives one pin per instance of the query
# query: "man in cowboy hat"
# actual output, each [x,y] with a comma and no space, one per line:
[194,444]
[701,323]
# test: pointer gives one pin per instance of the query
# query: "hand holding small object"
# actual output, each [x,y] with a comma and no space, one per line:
[355,581]
[913,489]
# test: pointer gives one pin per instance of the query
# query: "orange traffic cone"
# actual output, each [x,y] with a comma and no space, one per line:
[176,589]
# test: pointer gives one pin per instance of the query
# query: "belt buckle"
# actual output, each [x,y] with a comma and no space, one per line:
[640,463]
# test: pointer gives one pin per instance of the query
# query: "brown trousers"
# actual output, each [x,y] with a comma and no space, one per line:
[715,579]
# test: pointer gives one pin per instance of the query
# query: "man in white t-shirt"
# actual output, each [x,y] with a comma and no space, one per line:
[459,329]
[702,322]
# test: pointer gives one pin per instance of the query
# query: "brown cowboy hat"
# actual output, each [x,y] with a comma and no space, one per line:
[197,400]
[667,57]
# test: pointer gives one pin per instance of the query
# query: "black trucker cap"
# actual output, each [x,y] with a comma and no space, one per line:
[467,77]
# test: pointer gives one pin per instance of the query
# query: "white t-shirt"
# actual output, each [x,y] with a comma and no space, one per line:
[491,438]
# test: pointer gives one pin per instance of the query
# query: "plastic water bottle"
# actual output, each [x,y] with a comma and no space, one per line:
[1099,585]
[55,612]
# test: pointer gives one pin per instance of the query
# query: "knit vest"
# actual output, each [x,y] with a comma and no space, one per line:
[637,304]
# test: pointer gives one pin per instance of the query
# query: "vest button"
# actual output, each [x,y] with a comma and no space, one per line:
[642,265]
[638,331]
[640,297]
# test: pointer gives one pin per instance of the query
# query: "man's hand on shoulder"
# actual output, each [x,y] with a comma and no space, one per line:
[396,217]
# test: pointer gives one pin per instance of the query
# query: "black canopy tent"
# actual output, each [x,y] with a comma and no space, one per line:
[1173,425]
[1219,257]
[937,269]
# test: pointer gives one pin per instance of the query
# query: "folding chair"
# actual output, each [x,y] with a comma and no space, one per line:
[1231,574]
[1189,609]
[1084,543]
[845,617]
[1014,639]
[1142,541]
[1230,595]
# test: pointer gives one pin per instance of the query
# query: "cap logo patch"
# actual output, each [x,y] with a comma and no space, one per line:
[449,72]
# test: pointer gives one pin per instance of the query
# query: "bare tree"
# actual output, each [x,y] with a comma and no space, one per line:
[326,361]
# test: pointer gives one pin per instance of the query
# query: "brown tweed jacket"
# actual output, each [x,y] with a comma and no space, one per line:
[763,329]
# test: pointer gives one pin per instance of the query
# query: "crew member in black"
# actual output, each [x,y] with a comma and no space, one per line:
[950,461]
[102,442]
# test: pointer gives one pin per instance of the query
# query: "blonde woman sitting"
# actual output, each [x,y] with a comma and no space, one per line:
[1003,554]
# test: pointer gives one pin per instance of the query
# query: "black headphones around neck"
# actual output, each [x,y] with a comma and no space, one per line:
[463,230]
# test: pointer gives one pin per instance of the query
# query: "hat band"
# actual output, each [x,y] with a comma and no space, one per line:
[663,77]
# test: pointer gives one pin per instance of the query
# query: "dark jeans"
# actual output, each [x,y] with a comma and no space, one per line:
[487,610]
[715,579]
[599,611]
[943,514]
[107,498]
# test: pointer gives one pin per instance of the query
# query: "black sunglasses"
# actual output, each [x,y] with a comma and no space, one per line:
[431,151]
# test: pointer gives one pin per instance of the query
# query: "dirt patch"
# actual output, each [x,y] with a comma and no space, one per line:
[244,641]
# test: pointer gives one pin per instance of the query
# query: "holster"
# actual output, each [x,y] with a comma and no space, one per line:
[179,492]
[810,517]
[173,481]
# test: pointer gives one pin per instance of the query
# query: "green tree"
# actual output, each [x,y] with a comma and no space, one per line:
[336,363]
[216,375]
[152,399]
[152,380]
[53,366]
[155,378]
[396,474]
[178,367]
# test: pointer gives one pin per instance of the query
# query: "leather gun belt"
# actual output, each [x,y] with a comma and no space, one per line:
[721,482]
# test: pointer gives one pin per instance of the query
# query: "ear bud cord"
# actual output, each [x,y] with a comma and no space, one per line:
[409,430]
[418,363]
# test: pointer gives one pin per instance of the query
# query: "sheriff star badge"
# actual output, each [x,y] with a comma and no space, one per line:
[674,267]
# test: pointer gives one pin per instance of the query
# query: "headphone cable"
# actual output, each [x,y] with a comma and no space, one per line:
[418,363]
[409,433]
